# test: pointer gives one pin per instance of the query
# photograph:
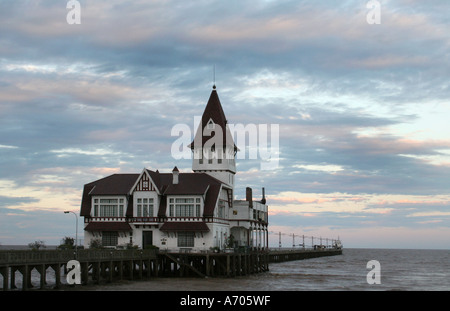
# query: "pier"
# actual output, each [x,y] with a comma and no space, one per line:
[98,266]
[280,255]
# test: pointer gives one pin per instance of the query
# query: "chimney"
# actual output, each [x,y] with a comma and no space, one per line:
[175,174]
[249,196]
[263,201]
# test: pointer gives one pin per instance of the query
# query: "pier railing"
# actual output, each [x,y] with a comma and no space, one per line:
[292,241]
[62,256]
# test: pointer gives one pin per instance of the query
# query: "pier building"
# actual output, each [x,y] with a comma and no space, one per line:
[179,211]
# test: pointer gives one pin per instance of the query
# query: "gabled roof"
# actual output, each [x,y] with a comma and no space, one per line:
[213,112]
[146,171]
[117,184]
[122,184]
[190,183]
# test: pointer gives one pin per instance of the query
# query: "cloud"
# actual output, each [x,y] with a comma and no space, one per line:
[361,108]
[8,147]
[6,201]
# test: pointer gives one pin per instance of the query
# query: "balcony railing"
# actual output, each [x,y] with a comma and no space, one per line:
[165,219]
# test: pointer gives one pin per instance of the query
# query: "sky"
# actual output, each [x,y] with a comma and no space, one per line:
[362,109]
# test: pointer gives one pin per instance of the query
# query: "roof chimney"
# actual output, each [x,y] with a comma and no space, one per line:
[175,174]
[263,201]
[249,196]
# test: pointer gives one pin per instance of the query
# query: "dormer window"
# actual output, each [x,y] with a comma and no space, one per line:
[210,124]
[108,207]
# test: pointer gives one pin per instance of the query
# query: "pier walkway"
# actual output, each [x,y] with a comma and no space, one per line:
[290,254]
[107,265]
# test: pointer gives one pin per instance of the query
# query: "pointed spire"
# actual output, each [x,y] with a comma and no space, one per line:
[213,112]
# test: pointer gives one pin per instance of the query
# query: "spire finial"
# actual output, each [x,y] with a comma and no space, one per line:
[214,77]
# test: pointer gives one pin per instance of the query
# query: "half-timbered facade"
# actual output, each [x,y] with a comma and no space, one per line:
[177,210]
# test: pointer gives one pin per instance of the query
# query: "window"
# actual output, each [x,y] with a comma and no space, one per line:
[210,156]
[184,207]
[110,238]
[139,210]
[186,239]
[108,211]
[189,200]
[200,157]
[144,207]
[221,209]
[108,201]
[184,210]
[108,207]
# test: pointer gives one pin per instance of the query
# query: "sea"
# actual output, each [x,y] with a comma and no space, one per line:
[398,270]
[354,270]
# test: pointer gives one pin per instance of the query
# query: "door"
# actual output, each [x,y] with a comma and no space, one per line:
[147,239]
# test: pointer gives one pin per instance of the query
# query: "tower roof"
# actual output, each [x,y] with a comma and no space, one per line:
[214,117]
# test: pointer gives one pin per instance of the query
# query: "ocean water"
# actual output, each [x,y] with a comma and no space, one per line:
[400,270]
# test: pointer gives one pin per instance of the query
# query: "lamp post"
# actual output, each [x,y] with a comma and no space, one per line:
[76,230]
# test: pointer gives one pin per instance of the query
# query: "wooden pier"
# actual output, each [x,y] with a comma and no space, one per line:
[213,264]
[97,266]
[280,255]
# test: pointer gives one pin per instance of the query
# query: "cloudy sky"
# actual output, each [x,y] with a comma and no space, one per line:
[362,109]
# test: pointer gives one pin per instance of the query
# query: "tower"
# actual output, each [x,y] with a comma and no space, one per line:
[213,148]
